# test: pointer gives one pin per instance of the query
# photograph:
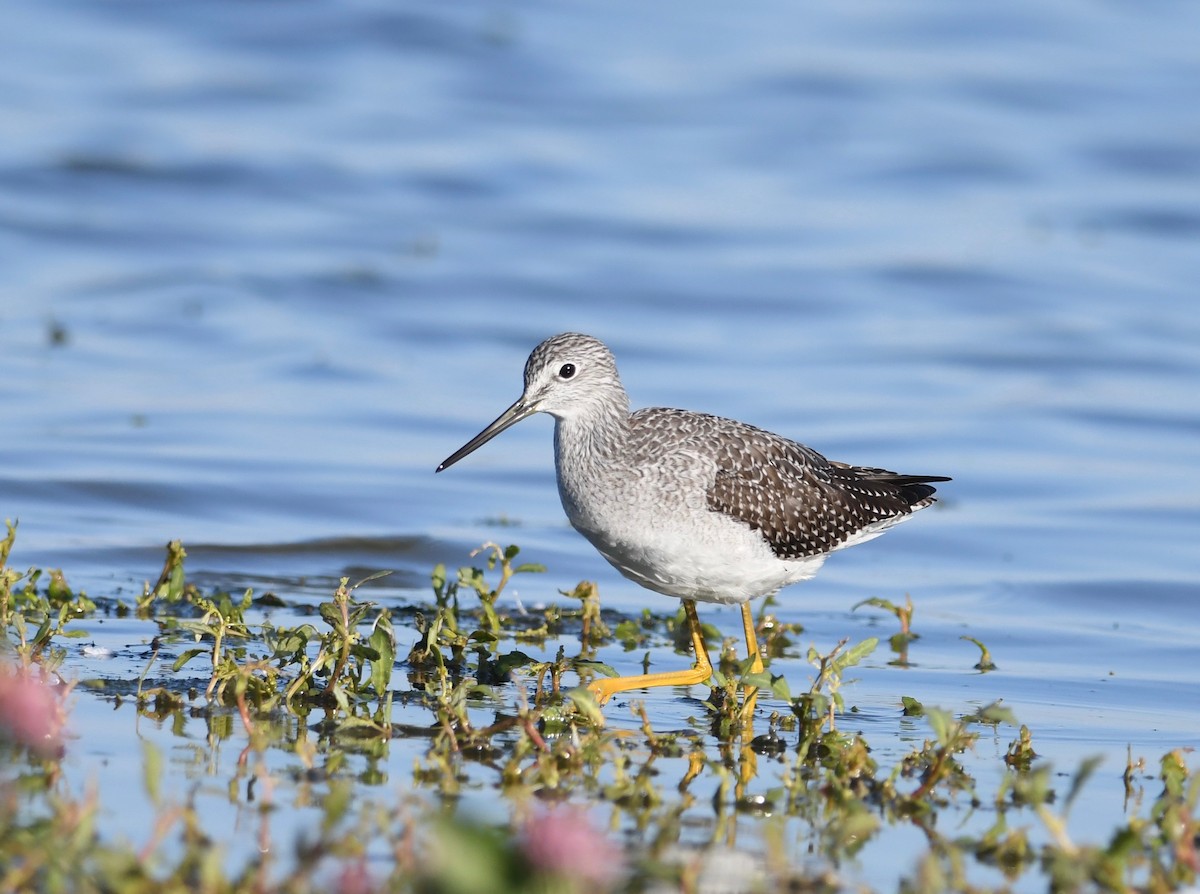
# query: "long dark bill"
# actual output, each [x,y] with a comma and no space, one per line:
[510,417]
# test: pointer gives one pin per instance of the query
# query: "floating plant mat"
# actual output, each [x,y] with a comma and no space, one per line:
[189,739]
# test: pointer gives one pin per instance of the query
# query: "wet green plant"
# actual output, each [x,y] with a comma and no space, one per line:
[592,629]
[349,676]
[8,576]
[33,619]
[442,646]
[495,704]
[900,640]
[775,637]
[171,587]
[985,662]
[35,645]
[476,579]
[936,763]
[221,621]
[439,661]
[817,709]
[1020,755]
[635,633]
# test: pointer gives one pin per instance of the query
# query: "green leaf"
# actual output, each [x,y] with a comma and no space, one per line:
[340,696]
[187,656]
[331,614]
[293,641]
[814,703]
[940,721]
[151,769]
[370,577]
[776,684]
[510,661]
[468,858]
[856,653]
[364,651]
[336,802]
[473,578]
[383,642]
[7,542]
[348,724]
[1086,769]
[199,628]
[780,688]
[1173,772]
[760,679]
[590,664]
[585,704]
[995,713]
[877,602]
[985,662]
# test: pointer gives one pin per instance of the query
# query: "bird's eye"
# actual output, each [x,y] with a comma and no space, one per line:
[566,371]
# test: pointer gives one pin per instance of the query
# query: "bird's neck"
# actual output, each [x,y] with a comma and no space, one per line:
[589,443]
[588,452]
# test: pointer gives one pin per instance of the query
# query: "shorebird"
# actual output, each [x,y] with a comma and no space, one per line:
[690,505]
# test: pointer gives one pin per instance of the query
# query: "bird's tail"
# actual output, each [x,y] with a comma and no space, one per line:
[915,489]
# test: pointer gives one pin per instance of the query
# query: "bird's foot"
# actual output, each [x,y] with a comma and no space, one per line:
[600,692]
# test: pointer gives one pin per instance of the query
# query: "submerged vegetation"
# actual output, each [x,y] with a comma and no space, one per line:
[493,705]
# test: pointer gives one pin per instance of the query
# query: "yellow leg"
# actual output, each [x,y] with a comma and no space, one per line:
[606,687]
[757,666]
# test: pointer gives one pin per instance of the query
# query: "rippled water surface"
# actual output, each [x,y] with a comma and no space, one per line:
[265,265]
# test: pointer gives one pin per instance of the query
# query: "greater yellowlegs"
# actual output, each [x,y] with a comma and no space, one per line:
[691,505]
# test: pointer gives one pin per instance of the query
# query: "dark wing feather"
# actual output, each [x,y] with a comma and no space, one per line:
[801,503]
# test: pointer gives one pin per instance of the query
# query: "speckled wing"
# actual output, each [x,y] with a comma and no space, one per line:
[802,504]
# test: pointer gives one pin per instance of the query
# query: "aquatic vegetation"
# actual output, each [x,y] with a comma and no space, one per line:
[518,781]
[900,640]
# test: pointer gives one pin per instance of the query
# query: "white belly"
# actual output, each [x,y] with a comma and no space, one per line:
[708,557]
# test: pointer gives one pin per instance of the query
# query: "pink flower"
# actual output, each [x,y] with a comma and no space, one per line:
[355,879]
[563,843]
[31,713]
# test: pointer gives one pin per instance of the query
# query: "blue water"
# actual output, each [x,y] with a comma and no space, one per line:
[265,265]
